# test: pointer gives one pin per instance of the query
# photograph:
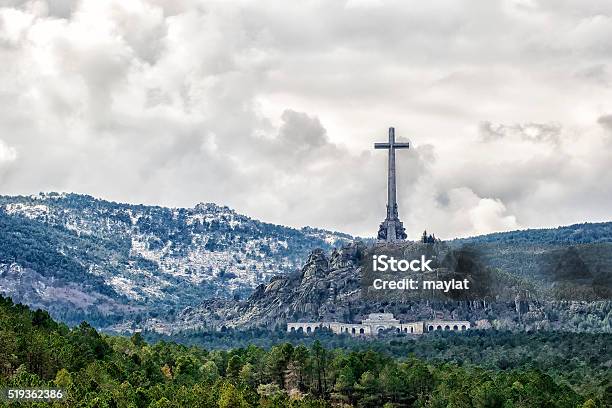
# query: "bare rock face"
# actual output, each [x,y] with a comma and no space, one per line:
[319,291]
[317,266]
[328,288]
[348,256]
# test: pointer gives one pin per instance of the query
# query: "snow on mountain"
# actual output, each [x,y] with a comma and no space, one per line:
[154,258]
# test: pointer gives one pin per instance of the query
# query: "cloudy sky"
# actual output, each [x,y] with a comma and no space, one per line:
[272,108]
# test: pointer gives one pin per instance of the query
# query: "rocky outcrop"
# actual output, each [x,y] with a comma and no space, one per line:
[321,289]
[328,288]
[317,266]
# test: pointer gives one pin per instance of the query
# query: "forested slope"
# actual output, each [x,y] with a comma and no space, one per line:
[585,233]
[100,370]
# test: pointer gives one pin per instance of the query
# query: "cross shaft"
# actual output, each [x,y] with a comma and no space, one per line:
[391,229]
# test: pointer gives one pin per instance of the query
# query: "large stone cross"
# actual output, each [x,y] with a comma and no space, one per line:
[391,229]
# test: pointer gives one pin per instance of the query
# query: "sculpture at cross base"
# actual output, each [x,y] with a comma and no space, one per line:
[391,229]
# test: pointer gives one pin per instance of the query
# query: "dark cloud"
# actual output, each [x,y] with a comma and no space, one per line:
[605,121]
[443,199]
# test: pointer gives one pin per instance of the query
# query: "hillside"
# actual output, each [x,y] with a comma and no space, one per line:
[82,257]
[585,233]
[330,288]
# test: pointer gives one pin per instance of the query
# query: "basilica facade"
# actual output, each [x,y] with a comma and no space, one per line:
[378,323]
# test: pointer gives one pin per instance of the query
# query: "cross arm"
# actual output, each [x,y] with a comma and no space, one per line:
[401,145]
[381,145]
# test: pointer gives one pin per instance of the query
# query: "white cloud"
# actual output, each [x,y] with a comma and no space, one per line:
[489,216]
[14,24]
[7,153]
[272,108]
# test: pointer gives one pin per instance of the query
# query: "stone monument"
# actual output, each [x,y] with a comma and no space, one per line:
[391,229]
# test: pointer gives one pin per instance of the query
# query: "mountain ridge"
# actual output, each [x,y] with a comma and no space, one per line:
[151,258]
[586,232]
[121,265]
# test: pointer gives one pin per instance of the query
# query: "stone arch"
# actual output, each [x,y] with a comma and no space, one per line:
[353,330]
[447,327]
[293,329]
[300,329]
[308,330]
[361,331]
[463,327]
[431,328]
[412,330]
[455,328]
[438,327]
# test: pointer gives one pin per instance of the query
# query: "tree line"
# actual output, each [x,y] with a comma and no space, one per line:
[119,371]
